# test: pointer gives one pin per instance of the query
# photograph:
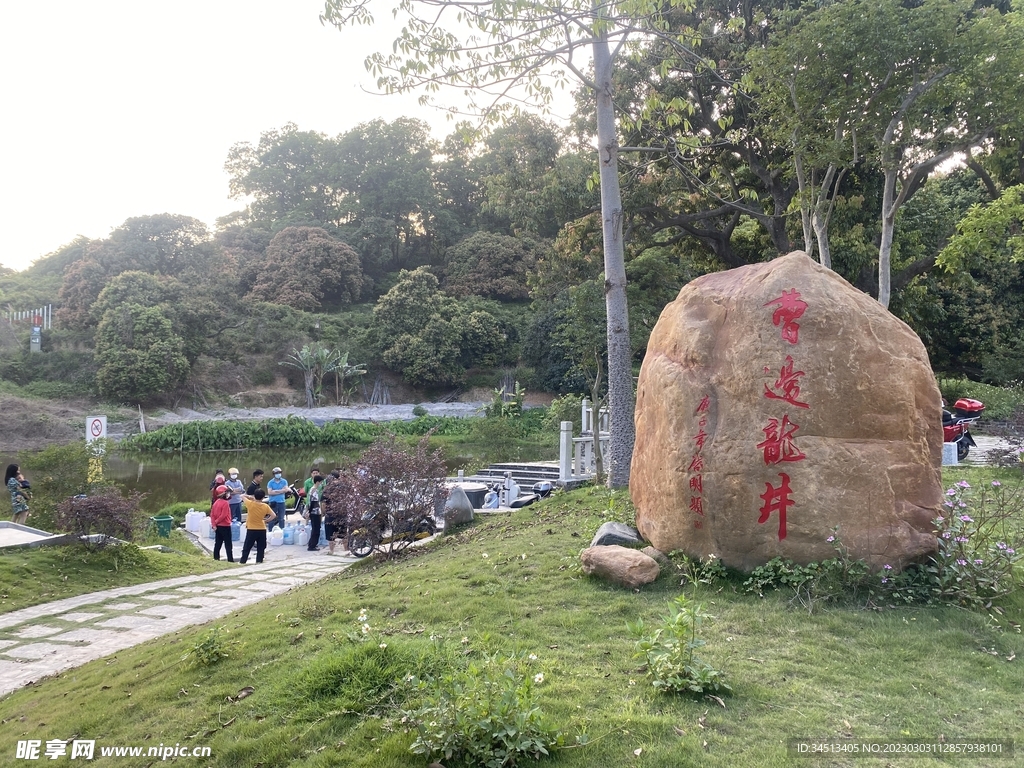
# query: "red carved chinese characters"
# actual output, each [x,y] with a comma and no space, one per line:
[777,500]
[779,444]
[697,463]
[787,386]
[791,307]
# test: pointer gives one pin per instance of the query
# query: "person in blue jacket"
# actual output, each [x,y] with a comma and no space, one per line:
[275,496]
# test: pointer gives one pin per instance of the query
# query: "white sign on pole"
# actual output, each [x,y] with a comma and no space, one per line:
[95,428]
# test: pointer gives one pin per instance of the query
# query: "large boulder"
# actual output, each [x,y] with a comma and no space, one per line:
[457,509]
[620,565]
[777,402]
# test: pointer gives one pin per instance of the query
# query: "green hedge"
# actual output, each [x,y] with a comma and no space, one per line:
[289,432]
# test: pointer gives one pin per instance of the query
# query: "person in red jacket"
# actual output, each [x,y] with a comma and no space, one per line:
[220,519]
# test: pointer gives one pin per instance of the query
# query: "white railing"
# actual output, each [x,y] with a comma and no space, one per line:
[577,457]
[41,317]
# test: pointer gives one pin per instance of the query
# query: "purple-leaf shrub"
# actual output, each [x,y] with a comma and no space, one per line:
[104,511]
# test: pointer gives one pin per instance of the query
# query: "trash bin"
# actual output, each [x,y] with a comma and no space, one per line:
[163,525]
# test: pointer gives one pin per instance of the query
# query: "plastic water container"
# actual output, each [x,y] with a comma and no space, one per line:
[303,536]
[276,538]
[213,529]
[192,519]
[203,528]
[289,534]
[323,537]
[236,530]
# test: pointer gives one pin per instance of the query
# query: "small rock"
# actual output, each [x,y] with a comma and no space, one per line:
[620,565]
[663,560]
[616,533]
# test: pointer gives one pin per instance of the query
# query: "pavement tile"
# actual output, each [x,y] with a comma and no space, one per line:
[87,635]
[78,616]
[37,630]
[127,622]
[35,651]
[126,606]
[195,590]
[160,611]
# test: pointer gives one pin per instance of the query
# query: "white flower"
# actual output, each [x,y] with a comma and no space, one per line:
[366,628]
[632,682]
[465,640]
[538,678]
[486,555]
[383,646]
[533,657]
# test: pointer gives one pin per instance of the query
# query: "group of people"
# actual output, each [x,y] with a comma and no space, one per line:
[267,508]
[21,492]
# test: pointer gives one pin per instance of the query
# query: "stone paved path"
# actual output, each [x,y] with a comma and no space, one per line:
[53,637]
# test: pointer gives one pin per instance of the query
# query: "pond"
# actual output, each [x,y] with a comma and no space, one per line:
[168,478]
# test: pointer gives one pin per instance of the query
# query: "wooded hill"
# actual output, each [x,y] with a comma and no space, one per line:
[448,263]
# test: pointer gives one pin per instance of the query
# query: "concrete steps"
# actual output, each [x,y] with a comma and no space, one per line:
[524,473]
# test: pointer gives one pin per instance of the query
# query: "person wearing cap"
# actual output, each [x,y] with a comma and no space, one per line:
[276,487]
[220,519]
[237,488]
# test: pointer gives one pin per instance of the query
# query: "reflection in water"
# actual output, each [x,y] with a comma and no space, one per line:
[168,478]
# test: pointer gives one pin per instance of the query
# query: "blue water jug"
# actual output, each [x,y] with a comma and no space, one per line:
[236,530]
[289,534]
[213,532]
[323,537]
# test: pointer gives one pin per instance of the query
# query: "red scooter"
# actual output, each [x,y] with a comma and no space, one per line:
[955,426]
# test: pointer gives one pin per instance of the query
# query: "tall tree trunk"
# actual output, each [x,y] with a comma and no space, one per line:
[307,376]
[620,369]
[885,246]
[805,203]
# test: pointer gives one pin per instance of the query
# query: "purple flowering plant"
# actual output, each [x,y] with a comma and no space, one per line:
[976,556]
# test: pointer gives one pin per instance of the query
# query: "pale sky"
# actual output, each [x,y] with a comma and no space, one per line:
[121,108]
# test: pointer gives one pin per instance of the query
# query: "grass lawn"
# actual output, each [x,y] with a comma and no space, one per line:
[511,584]
[33,576]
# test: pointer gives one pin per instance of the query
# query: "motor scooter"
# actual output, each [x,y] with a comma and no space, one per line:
[956,425]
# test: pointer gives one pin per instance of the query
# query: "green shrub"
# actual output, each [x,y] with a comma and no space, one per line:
[262,375]
[207,651]
[669,651]
[487,715]
[565,408]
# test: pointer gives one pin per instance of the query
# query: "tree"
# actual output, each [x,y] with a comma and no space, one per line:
[138,353]
[390,496]
[288,176]
[494,266]
[501,54]
[430,337]
[906,87]
[305,268]
[583,344]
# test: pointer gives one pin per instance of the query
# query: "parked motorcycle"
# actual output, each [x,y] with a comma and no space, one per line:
[956,425]
[379,528]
